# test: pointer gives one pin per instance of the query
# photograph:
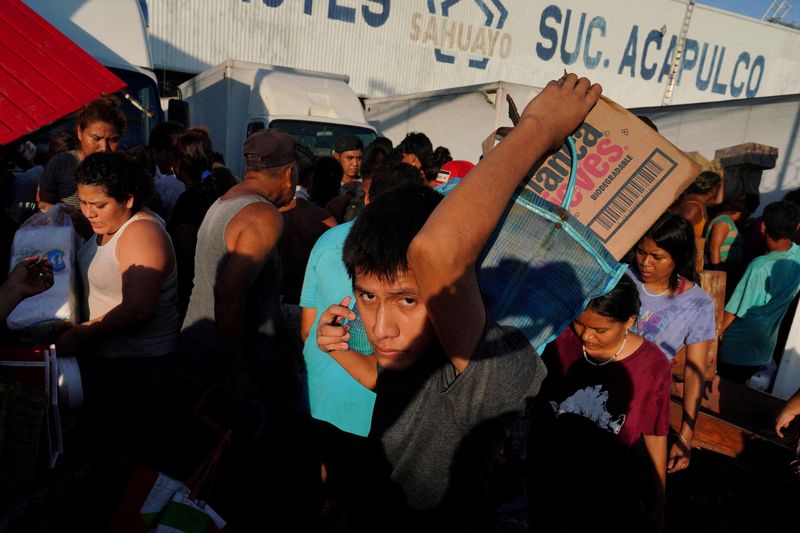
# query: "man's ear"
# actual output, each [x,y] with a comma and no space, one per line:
[289,175]
[763,228]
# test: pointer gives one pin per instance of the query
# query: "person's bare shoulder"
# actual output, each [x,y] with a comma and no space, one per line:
[259,224]
[145,238]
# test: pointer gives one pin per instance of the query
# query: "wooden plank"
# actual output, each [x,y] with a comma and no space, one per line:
[713,282]
[699,251]
[731,415]
[711,433]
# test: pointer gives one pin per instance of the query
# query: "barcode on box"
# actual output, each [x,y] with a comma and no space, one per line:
[633,193]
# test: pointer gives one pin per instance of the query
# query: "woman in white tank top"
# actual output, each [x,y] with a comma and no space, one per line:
[131,324]
[127,267]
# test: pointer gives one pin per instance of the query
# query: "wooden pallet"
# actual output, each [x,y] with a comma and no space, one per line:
[732,416]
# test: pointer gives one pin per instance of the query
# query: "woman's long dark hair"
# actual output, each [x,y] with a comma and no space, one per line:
[674,234]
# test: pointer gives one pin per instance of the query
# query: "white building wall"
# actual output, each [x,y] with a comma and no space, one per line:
[391,47]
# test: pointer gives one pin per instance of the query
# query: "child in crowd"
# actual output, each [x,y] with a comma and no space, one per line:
[723,242]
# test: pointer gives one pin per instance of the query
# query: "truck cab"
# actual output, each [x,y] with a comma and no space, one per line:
[114,32]
[237,98]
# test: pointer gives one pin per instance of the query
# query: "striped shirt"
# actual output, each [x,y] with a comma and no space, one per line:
[58,178]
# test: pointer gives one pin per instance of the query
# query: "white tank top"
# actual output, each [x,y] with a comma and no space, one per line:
[102,288]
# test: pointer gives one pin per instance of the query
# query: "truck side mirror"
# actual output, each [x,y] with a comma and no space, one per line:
[178,110]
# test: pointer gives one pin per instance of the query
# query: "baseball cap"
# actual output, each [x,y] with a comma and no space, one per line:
[269,148]
[453,170]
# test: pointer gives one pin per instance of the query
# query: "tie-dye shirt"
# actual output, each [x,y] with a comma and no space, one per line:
[670,322]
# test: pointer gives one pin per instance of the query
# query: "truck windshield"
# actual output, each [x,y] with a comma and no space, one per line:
[138,124]
[145,91]
[320,136]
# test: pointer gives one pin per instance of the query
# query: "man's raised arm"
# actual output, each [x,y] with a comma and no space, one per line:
[443,254]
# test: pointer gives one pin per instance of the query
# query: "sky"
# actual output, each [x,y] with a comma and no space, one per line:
[753,8]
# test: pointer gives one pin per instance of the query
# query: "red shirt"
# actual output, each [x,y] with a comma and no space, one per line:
[628,398]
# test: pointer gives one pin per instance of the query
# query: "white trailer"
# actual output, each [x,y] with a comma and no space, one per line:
[236,98]
[459,119]
[643,52]
[707,127]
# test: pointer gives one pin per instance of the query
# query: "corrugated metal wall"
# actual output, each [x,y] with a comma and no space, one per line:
[398,47]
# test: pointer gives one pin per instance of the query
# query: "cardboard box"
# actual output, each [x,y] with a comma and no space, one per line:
[628,175]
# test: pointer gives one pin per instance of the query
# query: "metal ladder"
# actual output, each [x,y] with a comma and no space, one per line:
[677,57]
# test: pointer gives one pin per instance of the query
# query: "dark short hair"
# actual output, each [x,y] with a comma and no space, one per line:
[375,156]
[118,175]
[144,155]
[164,134]
[620,303]
[393,175]
[347,143]
[432,160]
[378,242]
[193,153]
[104,109]
[792,196]
[674,234]
[781,219]
[737,204]
[383,141]
[61,142]
[706,182]
[416,143]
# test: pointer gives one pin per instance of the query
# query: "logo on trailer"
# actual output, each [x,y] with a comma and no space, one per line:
[453,39]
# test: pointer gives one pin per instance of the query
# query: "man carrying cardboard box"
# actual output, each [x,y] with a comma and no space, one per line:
[449,380]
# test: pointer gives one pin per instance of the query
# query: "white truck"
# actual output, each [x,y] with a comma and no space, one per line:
[114,32]
[459,119]
[236,98]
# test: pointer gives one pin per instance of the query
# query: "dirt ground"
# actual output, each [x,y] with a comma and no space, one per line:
[755,492]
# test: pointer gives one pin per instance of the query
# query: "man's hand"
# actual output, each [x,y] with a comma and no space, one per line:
[31,276]
[785,417]
[680,454]
[332,336]
[561,107]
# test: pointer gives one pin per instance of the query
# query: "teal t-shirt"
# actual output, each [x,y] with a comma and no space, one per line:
[334,396]
[759,302]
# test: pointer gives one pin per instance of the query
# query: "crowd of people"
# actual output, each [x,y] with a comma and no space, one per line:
[331,307]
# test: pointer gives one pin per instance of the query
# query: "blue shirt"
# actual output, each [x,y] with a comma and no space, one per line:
[671,322]
[334,396]
[759,302]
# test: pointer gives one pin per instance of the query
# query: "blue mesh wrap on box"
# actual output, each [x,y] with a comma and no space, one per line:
[541,266]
